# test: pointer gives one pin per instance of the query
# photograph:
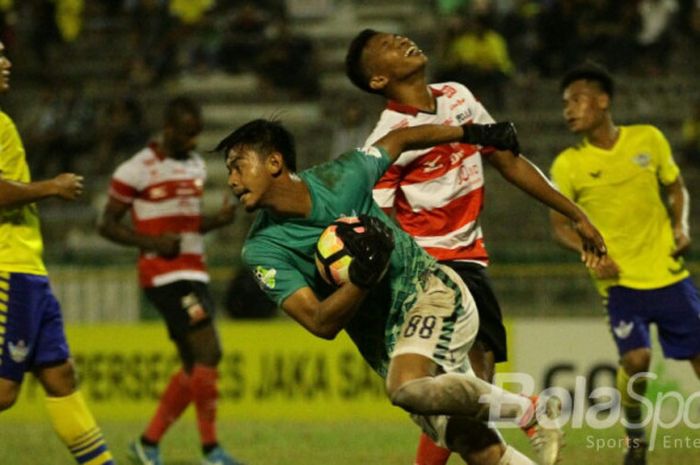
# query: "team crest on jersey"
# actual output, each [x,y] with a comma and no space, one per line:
[623,329]
[266,277]
[642,160]
[19,351]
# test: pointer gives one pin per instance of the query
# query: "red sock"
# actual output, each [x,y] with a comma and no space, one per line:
[204,396]
[429,453]
[173,402]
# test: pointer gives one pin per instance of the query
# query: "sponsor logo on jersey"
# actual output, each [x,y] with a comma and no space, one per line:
[642,160]
[266,277]
[432,165]
[623,329]
[596,174]
[19,351]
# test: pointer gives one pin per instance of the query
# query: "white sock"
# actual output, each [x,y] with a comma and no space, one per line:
[513,457]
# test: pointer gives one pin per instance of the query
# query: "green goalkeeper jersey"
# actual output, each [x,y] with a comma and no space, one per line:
[280,251]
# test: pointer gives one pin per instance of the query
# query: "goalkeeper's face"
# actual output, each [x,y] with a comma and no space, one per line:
[250,176]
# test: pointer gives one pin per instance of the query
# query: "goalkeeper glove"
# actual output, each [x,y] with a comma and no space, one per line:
[502,136]
[370,249]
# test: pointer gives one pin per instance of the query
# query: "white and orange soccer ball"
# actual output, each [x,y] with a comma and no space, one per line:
[332,258]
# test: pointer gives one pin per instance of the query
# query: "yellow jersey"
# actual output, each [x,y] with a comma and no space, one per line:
[619,189]
[21,245]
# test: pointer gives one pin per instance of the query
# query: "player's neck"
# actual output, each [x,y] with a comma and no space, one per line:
[290,198]
[604,136]
[415,93]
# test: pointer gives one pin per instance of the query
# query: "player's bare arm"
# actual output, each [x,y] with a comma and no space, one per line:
[679,204]
[67,186]
[224,217]
[324,318]
[522,173]
[110,226]
[570,235]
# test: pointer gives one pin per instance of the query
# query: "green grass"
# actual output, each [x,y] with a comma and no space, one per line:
[344,443]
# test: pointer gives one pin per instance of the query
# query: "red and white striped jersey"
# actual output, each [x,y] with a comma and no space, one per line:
[165,197]
[437,193]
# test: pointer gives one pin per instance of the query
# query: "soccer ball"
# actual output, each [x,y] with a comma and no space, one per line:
[332,258]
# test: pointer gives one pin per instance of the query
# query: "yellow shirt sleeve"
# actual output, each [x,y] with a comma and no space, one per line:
[667,170]
[560,174]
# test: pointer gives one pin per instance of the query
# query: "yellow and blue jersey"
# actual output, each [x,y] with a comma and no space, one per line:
[619,189]
[21,245]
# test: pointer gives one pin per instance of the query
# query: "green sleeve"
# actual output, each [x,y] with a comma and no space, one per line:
[273,270]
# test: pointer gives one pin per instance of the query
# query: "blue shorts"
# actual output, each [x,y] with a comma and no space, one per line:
[31,326]
[675,310]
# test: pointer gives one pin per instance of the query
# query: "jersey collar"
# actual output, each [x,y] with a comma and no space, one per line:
[410,109]
[157,151]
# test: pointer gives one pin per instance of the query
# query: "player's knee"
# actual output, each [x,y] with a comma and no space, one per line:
[8,395]
[415,396]
[473,439]
[636,361]
[490,455]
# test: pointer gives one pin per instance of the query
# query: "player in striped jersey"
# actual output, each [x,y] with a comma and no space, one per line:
[161,187]
[437,194]
[31,327]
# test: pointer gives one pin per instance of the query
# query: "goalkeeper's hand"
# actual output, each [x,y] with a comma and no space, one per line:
[501,136]
[370,250]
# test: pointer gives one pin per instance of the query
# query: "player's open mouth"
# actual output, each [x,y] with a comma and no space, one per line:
[412,51]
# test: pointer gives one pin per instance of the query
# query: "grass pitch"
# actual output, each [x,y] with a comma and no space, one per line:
[327,443]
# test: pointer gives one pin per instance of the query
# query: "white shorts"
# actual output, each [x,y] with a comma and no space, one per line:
[442,326]
[442,323]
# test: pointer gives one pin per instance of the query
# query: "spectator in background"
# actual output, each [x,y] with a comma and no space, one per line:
[607,30]
[243,38]
[121,131]
[478,56]
[654,39]
[288,63]
[63,129]
[350,125]
[155,40]
[519,30]
[691,136]
[558,45]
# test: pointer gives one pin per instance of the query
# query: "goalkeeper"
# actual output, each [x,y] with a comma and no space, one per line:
[412,319]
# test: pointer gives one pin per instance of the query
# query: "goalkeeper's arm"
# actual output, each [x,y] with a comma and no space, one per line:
[371,252]
[501,136]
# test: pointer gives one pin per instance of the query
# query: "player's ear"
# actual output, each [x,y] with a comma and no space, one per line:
[604,101]
[378,82]
[274,163]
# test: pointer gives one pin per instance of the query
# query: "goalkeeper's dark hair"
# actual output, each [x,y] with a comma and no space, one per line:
[593,72]
[264,136]
[178,107]
[354,63]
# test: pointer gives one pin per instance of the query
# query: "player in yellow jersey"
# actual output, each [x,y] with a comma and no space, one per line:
[31,327]
[614,174]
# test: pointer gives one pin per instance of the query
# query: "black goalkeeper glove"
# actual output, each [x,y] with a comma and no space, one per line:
[502,136]
[370,250]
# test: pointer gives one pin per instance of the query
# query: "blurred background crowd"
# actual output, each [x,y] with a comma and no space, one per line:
[90,79]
